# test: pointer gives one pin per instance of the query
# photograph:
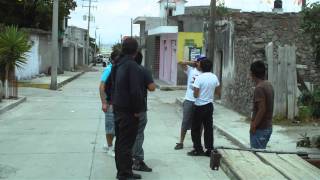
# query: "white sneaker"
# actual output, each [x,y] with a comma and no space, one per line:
[105,148]
[110,152]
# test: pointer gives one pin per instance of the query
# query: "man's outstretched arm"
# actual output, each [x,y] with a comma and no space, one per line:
[185,64]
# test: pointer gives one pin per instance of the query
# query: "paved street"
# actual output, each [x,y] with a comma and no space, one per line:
[58,135]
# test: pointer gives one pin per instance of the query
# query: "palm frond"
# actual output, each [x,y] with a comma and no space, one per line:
[13,47]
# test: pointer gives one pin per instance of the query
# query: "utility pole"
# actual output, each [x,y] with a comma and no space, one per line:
[167,11]
[95,41]
[55,49]
[131,27]
[88,35]
[304,4]
[212,30]
[99,43]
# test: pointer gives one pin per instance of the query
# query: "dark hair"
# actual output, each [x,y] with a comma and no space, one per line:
[129,46]
[139,58]
[258,69]
[114,54]
[205,65]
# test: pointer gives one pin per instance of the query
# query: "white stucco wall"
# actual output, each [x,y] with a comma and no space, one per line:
[32,67]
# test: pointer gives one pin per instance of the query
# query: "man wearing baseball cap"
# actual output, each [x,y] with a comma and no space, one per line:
[191,68]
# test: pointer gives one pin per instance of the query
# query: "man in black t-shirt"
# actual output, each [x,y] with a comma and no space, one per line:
[128,102]
[137,151]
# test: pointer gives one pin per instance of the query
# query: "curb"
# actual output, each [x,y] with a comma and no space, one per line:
[11,106]
[47,86]
[231,137]
[70,79]
[34,85]
[223,131]
[170,88]
[179,101]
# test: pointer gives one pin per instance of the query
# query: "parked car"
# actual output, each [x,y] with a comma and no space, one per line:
[105,62]
[99,58]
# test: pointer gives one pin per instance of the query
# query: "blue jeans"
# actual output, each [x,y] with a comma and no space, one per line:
[260,138]
[109,120]
[137,150]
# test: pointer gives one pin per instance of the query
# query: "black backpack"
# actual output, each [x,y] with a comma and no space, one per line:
[109,83]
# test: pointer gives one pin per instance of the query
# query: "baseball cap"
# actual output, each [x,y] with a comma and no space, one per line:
[200,57]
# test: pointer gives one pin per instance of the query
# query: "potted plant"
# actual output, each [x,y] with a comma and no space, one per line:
[13,47]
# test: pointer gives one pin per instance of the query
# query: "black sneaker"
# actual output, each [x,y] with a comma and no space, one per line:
[131,176]
[207,153]
[178,146]
[195,153]
[141,166]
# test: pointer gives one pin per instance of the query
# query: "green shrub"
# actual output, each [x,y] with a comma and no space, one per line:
[309,104]
[305,99]
[279,119]
[316,104]
[305,113]
[311,24]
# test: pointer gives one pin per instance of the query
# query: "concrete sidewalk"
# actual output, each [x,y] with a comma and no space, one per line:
[236,128]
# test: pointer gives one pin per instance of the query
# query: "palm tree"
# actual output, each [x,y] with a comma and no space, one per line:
[13,47]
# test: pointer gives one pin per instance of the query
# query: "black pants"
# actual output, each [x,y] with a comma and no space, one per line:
[126,130]
[202,116]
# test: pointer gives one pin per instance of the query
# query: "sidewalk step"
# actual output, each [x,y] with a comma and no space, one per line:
[44,82]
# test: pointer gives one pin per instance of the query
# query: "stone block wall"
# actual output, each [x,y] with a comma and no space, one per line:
[251,33]
[152,55]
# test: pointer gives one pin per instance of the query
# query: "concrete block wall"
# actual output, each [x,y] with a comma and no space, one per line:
[152,55]
[251,32]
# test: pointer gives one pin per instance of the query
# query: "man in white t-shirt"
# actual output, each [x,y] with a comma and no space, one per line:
[191,68]
[204,87]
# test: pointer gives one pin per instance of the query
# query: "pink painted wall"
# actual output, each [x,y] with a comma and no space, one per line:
[168,58]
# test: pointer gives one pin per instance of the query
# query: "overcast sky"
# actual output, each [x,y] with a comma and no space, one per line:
[112,17]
